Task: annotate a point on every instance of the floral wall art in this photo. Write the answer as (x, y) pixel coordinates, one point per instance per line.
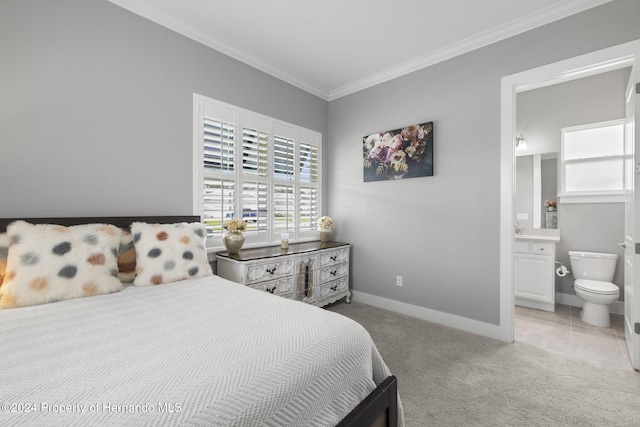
(398, 154)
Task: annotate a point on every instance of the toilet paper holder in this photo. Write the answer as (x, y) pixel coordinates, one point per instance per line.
(562, 270)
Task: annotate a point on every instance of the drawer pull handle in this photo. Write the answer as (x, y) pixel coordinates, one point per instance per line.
(334, 272)
(271, 270)
(270, 290)
(334, 287)
(333, 257)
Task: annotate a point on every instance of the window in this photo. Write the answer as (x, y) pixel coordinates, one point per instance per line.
(253, 167)
(592, 163)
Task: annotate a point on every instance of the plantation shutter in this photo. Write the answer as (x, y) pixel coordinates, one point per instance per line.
(308, 173)
(255, 176)
(283, 208)
(283, 155)
(218, 145)
(255, 152)
(252, 167)
(219, 199)
(217, 161)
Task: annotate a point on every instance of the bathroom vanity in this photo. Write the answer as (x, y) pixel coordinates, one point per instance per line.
(534, 262)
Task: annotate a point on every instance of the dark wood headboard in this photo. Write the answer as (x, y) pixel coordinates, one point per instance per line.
(118, 221)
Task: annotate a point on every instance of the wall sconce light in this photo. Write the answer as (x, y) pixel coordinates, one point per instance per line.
(521, 142)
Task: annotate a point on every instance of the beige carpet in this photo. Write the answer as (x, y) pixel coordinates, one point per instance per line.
(448, 377)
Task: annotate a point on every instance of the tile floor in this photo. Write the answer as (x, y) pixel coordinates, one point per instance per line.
(563, 331)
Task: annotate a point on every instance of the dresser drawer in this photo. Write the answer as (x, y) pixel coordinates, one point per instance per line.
(281, 287)
(256, 273)
(334, 272)
(331, 289)
(333, 257)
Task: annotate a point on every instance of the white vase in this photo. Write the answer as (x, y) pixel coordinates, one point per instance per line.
(324, 234)
(233, 241)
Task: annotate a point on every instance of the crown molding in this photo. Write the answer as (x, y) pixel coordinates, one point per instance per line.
(513, 28)
(561, 10)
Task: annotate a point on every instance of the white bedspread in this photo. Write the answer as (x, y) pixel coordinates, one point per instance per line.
(203, 352)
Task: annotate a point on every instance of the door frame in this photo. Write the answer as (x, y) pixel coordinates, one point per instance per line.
(609, 59)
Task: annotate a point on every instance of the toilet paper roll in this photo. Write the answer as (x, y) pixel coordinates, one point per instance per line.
(561, 271)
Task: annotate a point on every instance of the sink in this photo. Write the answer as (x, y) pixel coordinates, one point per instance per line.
(552, 235)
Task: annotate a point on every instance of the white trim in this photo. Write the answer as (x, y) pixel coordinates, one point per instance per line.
(439, 317)
(615, 57)
(612, 197)
(553, 13)
(526, 23)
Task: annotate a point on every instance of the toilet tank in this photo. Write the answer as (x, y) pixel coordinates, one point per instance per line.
(593, 265)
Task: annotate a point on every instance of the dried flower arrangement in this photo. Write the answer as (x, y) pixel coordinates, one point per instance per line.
(325, 223)
(235, 225)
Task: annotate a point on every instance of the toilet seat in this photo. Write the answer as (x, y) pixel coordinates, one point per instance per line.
(596, 287)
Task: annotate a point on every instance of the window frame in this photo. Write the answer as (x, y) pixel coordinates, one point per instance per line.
(590, 196)
(244, 120)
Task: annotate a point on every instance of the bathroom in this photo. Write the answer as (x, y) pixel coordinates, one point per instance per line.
(593, 226)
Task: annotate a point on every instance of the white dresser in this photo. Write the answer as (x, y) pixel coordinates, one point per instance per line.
(313, 272)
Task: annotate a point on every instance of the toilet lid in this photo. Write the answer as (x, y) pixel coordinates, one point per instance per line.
(596, 286)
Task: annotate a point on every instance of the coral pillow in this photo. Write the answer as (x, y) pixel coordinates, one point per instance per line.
(47, 263)
(169, 252)
(126, 258)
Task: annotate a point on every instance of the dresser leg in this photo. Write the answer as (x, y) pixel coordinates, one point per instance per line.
(348, 298)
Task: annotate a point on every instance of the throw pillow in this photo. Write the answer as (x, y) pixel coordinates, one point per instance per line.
(167, 253)
(47, 263)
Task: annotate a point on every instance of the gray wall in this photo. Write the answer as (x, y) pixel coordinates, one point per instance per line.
(541, 113)
(442, 232)
(96, 109)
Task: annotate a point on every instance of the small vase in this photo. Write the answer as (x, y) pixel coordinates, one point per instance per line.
(233, 242)
(325, 235)
(551, 208)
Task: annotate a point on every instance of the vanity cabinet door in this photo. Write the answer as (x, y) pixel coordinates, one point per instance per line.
(532, 277)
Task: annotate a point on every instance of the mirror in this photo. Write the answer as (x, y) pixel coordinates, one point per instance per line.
(536, 181)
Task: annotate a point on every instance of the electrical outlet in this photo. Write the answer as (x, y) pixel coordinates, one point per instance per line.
(398, 280)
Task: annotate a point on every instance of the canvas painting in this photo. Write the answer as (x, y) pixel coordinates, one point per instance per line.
(398, 154)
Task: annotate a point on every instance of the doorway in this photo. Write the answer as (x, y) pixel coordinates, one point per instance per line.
(613, 58)
(556, 324)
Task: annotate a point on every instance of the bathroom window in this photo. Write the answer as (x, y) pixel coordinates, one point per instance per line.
(592, 163)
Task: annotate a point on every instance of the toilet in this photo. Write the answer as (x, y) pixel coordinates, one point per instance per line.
(594, 272)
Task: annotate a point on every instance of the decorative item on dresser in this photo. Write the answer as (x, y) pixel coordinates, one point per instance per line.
(314, 272)
(234, 239)
(325, 227)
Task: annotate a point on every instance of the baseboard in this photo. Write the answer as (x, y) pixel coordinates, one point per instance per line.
(458, 322)
(575, 301)
(445, 319)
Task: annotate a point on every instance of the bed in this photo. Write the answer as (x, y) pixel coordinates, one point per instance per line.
(199, 351)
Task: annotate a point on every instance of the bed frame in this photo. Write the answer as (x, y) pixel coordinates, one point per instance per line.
(378, 409)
